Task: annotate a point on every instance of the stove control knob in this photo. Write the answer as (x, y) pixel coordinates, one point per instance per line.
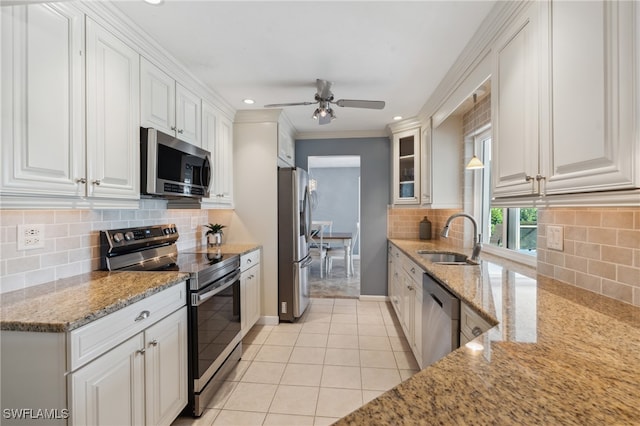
(128, 236)
(167, 231)
(118, 237)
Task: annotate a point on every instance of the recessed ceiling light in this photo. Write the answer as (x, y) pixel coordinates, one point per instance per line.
(249, 101)
(397, 117)
(154, 2)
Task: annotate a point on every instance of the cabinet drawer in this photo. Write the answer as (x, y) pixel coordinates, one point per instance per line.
(101, 335)
(471, 324)
(414, 271)
(250, 259)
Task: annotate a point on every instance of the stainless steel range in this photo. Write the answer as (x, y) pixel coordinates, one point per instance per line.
(215, 340)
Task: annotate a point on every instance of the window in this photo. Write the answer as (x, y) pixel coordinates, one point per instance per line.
(503, 228)
(514, 228)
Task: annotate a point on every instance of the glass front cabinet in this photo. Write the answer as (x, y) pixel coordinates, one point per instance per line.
(406, 166)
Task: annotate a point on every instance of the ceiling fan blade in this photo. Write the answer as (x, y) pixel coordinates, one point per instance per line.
(355, 103)
(289, 104)
(324, 89)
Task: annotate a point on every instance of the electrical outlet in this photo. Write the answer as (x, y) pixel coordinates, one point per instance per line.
(30, 237)
(555, 237)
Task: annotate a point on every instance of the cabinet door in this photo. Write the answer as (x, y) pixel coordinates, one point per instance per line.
(286, 148)
(416, 340)
(188, 110)
(223, 158)
(217, 138)
(250, 297)
(515, 101)
(592, 146)
(113, 118)
(110, 389)
(406, 167)
(166, 368)
(426, 169)
(42, 86)
(407, 305)
(157, 98)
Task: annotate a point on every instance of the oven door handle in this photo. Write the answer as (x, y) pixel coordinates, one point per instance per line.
(198, 299)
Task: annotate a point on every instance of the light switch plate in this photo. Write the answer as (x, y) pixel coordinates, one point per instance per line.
(555, 237)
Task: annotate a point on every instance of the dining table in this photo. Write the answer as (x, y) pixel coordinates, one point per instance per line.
(345, 238)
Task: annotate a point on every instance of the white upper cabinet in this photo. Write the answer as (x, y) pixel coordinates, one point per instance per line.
(43, 147)
(113, 126)
(217, 137)
(188, 107)
(564, 97)
(167, 105)
(592, 145)
(426, 156)
(515, 107)
(70, 117)
(157, 98)
(286, 147)
(406, 166)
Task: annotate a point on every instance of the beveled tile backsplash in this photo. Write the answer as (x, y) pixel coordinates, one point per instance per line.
(72, 239)
(601, 250)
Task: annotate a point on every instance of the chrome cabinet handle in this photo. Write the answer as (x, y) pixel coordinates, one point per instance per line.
(96, 182)
(154, 342)
(143, 315)
(476, 331)
(173, 127)
(141, 351)
(413, 270)
(180, 131)
(81, 180)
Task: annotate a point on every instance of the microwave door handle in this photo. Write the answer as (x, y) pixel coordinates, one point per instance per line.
(199, 299)
(208, 185)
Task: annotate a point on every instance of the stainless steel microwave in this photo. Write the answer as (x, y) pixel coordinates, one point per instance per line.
(172, 168)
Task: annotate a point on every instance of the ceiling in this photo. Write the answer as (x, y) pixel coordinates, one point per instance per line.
(273, 51)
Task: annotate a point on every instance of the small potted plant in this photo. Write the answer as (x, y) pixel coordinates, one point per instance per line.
(214, 234)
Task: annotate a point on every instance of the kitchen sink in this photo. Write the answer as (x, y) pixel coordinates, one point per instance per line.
(446, 258)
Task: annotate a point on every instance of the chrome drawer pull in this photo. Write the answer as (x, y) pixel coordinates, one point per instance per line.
(154, 342)
(143, 315)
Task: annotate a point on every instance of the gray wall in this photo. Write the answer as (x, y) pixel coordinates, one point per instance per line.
(337, 197)
(375, 163)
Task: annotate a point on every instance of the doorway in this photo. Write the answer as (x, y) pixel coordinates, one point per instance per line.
(334, 181)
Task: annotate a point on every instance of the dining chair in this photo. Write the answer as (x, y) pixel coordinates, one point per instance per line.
(318, 248)
(339, 253)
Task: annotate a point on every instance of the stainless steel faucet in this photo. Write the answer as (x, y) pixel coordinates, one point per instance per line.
(477, 242)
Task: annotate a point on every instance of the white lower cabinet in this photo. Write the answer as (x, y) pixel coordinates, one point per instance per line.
(141, 381)
(405, 294)
(126, 368)
(471, 324)
(249, 290)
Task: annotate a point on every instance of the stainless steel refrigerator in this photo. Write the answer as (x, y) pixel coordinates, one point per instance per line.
(294, 225)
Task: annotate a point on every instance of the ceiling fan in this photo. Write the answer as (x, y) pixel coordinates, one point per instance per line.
(324, 98)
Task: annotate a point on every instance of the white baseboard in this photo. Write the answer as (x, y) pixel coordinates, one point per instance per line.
(268, 320)
(365, 298)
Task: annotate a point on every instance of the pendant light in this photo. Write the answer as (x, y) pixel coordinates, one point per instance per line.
(475, 162)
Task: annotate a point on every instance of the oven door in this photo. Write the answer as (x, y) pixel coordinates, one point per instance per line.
(215, 327)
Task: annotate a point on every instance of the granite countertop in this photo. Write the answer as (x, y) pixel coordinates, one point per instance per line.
(558, 355)
(69, 303)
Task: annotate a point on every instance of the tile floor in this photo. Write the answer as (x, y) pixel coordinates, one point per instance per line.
(339, 355)
(335, 284)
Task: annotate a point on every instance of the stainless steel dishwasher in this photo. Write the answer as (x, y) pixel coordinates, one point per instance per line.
(441, 321)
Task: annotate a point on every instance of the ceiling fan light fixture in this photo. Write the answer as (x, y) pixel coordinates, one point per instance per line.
(315, 114)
